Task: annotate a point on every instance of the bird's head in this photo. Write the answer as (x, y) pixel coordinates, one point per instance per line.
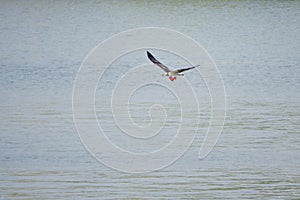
(165, 74)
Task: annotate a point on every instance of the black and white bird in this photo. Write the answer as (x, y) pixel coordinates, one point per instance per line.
(171, 74)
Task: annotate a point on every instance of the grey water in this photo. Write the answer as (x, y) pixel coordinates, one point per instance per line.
(256, 46)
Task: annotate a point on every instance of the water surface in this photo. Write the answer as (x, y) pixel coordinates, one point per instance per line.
(256, 47)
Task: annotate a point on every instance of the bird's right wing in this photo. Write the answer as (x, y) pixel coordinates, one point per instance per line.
(162, 66)
(185, 69)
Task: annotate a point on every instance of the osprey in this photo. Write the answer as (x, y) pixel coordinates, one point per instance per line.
(171, 74)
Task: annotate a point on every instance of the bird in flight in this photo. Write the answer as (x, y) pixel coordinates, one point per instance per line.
(171, 74)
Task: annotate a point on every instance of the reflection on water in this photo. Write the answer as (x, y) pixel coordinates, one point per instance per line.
(256, 47)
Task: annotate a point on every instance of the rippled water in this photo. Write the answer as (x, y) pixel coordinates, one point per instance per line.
(256, 47)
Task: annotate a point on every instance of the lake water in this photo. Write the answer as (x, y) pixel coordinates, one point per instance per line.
(256, 46)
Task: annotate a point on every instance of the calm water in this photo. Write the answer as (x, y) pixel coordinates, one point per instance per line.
(256, 47)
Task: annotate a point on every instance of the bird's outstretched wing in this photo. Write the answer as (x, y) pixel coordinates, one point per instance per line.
(162, 66)
(185, 69)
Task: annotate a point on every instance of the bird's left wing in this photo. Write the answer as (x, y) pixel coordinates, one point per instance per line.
(155, 61)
